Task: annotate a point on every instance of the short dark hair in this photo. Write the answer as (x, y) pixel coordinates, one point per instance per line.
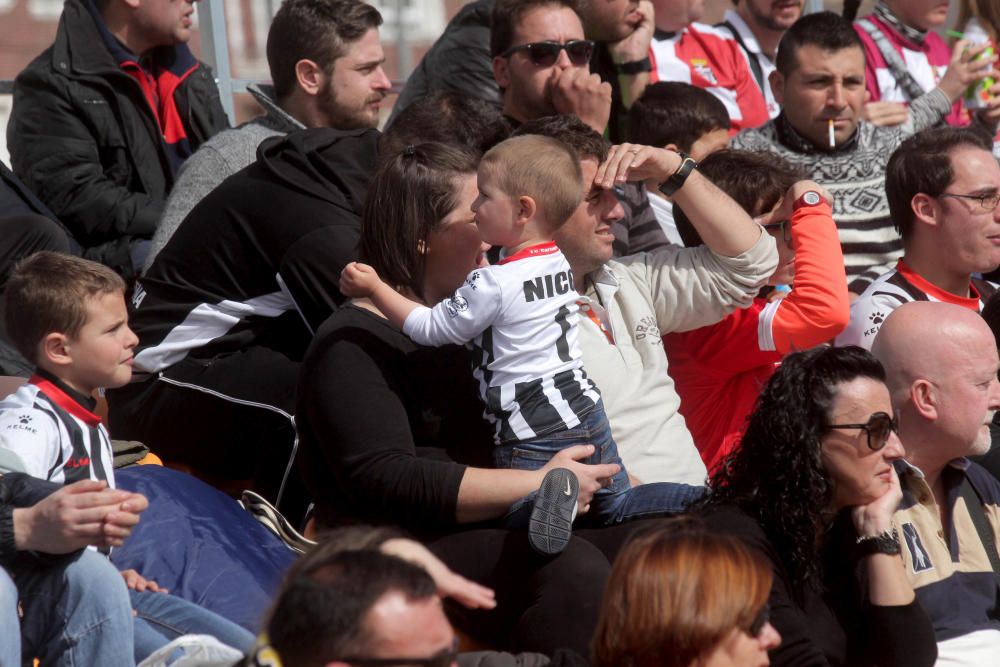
(508, 13)
(448, 117)
(825, 30)
(318, 616)
(922, 164)
(410, 193)
(582, 139)
(47, 293)
(543, 168)
(317, 30)
(755, 181)
(671, 112)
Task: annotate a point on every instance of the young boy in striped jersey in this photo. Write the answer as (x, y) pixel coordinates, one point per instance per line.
(67, 316)
(519, 319)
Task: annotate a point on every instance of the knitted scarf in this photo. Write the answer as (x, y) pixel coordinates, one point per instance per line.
(885, 14)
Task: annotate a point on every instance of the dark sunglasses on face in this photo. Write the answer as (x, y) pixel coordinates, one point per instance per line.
(878, 428)
(784, 227)
(545, 54)
(759, 621)
(444, 658)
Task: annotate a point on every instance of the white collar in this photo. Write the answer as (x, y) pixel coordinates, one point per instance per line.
(744, 30)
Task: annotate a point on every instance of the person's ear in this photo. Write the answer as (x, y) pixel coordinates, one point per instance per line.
(55, 349)
(526, 209)
(309, 76)
(501, 72)
(924, 398)
(924, 209)
(777, 82)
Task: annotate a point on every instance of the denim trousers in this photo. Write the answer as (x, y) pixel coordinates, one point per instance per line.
(162, 617)
(616, 503)
(76, 613)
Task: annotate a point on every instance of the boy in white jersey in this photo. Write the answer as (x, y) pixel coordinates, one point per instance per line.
(519, 319)
(67, 316)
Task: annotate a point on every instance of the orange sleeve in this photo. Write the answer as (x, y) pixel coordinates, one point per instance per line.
(817, 308)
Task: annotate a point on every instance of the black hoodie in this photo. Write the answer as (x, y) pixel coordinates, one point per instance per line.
(257, 261)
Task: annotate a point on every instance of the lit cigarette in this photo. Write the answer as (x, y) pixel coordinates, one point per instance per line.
(833, 140)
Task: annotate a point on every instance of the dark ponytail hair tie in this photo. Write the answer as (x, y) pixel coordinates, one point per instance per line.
(409, 151)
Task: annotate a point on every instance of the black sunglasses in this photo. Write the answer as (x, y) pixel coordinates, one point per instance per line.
(444, 658)
(759, 621)
(878, 428)
(785, 226)
(545, 54)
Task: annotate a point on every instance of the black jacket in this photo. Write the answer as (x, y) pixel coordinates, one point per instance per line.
(83, 138)
(259, 258)
(18, 490)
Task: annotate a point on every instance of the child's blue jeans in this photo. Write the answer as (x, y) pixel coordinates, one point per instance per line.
(618, 502)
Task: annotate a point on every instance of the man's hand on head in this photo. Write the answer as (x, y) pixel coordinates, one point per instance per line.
(73, 517)
(635, 162)
(577, 92)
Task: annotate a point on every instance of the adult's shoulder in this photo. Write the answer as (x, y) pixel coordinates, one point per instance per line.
(732, 520)
(762, 138)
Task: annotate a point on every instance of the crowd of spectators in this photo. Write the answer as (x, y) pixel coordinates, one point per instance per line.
(629, 340)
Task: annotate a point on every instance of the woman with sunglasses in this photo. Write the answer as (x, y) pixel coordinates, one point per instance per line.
(811, 487)
(680, 596)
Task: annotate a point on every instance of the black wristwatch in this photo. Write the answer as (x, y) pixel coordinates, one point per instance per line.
(676, 180)
(886, 542)
(635, 66)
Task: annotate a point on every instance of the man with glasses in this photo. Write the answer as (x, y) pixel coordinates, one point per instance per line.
(719, 369)
(943, 186)
(820, 82)
(541, 62)
(945, 395)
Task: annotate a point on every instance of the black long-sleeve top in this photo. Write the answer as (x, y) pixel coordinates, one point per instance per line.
(833, 624)
(382, 422)
(18, 490)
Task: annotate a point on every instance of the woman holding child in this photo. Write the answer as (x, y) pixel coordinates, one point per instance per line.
(812, 488)
(383, 420)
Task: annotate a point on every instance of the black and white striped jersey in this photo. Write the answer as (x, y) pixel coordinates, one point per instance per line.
(894, 288)
(519, 319)
(57, 437)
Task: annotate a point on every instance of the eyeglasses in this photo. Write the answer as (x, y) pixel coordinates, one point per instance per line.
(988, 203)
(545, 54)
(878, 428)
(781, 226)
(759, 621)
(444, 658)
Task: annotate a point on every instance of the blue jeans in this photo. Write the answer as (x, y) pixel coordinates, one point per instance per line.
(618, 502)
(10, 627)
(76, 612)
(161, 617)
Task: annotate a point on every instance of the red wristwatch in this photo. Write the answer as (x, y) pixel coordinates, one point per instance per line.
(808, 198)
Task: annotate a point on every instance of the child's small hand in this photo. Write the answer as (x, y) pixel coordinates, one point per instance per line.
(137, 582)
(358, 280)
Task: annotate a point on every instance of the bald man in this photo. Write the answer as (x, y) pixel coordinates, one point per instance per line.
(945, 395)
